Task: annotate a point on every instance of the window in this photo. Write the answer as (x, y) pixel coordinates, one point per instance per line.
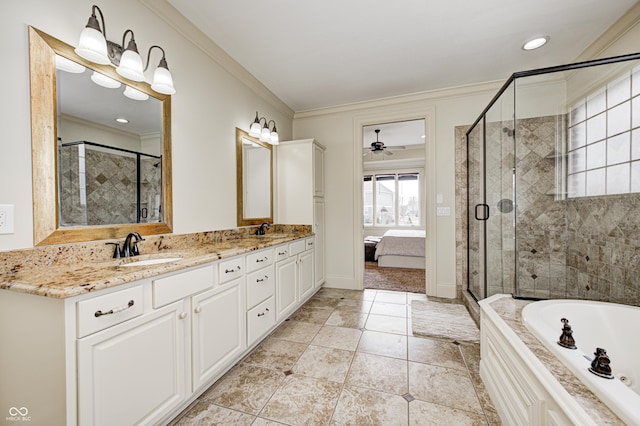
(392, 199)
(604, 140)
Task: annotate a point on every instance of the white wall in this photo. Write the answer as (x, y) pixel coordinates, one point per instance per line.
(208, 105)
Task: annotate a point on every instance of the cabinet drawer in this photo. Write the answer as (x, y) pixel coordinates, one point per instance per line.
(230, 269)
(282, 252)
(309, 242)
(260, 286)
(296, 247)
(179, 286)
(110, 309)
(259, 260)
(260, 319)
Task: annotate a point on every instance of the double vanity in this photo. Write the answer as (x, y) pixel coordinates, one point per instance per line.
(134, 341)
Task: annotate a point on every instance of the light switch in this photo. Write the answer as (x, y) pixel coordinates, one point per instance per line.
(6, 218)
(439, 199)
(443, 211)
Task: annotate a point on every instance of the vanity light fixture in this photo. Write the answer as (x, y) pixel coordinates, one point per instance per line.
(104, 81)
(93, 47)
(135, 94)
(535, 43)
(64, 64)
(264, 132)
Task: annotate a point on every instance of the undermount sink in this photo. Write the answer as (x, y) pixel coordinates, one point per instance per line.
(153, 261)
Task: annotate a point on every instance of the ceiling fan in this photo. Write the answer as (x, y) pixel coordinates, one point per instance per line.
(378, 147)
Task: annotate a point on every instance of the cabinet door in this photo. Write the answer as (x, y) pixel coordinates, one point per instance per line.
(318, 171)
(218, 330)
(286, 287)
(305, 273)
(134, 372)
(318, 228)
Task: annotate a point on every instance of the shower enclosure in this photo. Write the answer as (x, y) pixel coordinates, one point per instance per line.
(553, 167)
(103, 185)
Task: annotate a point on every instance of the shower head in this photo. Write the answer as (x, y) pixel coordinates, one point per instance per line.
(157, 164)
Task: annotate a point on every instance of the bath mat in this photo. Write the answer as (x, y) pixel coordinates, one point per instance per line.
(443, 320)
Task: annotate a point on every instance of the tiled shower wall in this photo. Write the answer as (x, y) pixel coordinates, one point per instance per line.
(110, 195)
(587, 248)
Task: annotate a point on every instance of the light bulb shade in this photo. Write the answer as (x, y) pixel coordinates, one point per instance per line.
(162, 81)
(135, 94)
(67, 65)
(104, 81)
(131, 66)
(275, 139)
(265, 134)
(93, 46)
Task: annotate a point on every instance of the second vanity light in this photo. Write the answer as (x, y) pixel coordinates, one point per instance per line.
(257, 130)
(93, 47)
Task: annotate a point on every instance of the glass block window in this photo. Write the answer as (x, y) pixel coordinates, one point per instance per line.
(604, 140)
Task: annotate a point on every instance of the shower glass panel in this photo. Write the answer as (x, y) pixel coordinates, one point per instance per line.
(553, 166)
(475, 203)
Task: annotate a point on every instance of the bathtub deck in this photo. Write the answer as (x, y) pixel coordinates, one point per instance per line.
(510, 311)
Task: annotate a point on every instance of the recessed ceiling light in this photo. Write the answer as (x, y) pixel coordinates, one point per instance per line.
(122, 120)
(535, 43)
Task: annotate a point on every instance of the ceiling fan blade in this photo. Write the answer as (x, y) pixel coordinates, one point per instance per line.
(387, 152)
(397, 147)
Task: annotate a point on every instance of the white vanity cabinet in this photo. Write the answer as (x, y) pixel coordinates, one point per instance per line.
(301, 191)
(294, 275)
(217, 331)
(261, 288)
(134, 372)
(141, 352)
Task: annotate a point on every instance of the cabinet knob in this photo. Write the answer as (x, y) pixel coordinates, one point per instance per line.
(182, 315)
(198, 309)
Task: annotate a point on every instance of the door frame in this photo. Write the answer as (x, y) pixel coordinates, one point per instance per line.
(428, 115)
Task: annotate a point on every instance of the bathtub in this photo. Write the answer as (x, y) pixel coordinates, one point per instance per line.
(613, 327)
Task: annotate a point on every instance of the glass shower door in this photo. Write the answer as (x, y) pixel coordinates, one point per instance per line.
(475, 203)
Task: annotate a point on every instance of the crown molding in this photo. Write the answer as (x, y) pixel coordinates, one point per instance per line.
(598, 48)
(182, 25)
(431, 95)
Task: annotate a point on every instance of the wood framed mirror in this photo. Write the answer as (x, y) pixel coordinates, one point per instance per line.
(45, 137)
(254, 186)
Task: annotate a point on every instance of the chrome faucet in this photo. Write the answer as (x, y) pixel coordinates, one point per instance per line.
(261, 230)
(130, 248)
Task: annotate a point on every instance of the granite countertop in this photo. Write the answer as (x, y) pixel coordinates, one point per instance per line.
(61, 279)
(510, 311)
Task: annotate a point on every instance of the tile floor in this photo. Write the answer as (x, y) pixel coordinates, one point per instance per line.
(349, 358)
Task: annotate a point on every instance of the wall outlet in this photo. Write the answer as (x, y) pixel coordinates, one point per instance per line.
(443, 211)
(6, 218)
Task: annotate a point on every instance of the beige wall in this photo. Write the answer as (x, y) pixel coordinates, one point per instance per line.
(209, 103)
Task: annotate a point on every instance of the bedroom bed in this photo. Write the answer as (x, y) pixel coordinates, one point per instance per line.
(401, 248)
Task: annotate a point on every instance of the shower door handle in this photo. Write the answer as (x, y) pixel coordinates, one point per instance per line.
(485, 211)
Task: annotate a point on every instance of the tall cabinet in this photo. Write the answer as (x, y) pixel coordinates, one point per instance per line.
(300, 193)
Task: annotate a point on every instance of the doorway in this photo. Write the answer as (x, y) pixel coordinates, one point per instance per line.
(393, 218)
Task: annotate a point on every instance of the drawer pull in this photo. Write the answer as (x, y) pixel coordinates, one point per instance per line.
(264, 259)
(264, 313)
(282, 253)
(115, 310)
(309, 243)
(229, 271)
(260, 280)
